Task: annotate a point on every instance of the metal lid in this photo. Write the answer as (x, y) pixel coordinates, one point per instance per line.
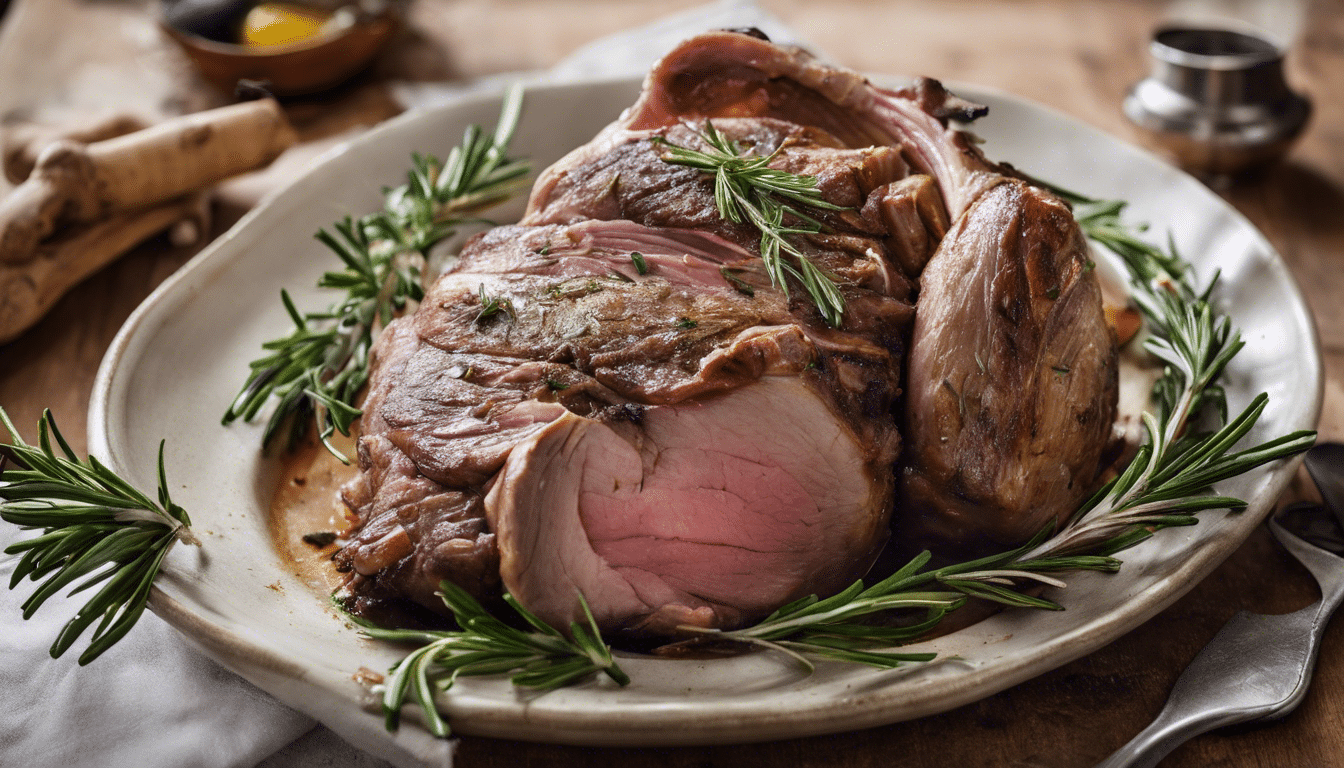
(1216, 99)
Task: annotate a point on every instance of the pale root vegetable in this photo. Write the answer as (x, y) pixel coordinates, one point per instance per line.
(74, 183)
(28, 290)
(23, 142)
(83, 205)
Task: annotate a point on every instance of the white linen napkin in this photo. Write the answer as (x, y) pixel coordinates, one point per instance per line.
(153, 700)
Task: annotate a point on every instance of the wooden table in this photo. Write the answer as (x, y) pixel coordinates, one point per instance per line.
(1078, 57)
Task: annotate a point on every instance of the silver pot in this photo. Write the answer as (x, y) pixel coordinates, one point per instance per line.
(1216, 100)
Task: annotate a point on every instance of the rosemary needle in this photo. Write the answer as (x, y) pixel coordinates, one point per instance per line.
(95, 527)
(838, 627)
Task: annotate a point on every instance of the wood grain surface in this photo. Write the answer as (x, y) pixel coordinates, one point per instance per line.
(1077, 57)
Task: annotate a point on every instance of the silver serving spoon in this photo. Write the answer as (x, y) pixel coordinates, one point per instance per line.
(1258, 667)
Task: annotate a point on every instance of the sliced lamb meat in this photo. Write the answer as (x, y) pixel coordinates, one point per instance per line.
(896, 217)
(413, 531)
(734, 406)
(633, 182)
(694, 324)
(1012, 379)
(711, 513)
(417, 534)
(915, 219)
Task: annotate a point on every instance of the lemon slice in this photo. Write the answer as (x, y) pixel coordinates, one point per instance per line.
(271, 24)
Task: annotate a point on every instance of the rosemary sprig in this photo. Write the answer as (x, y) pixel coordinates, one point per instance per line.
(319, 369)
(747, 190)
(1166, 484)
(832, 628)
(95, 527)
(542, 659)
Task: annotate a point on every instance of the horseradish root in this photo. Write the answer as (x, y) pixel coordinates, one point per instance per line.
(28, 290)
(23, 143)
(83, 205)
(75, 183)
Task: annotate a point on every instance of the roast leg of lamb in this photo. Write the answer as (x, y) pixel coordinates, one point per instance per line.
(612, 399)
(676, 446)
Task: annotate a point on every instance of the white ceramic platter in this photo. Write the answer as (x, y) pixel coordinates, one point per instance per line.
(177, 363)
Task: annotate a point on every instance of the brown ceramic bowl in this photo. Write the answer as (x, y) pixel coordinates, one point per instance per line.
(294, 69)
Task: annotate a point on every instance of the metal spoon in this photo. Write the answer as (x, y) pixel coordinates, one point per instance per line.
(1258, 667)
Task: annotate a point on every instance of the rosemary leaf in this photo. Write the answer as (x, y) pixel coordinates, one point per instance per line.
(492, 305)
(95, 527)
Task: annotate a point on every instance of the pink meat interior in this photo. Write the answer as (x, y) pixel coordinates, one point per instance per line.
(708, 513)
